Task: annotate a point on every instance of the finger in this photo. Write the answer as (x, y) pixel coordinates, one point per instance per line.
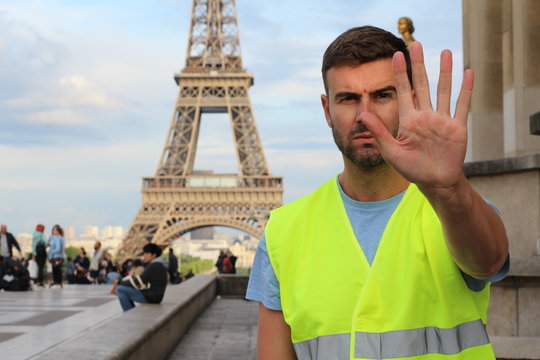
(403, 86)
(386, 142)
(420, 79)
(444, 88)
(465, 95)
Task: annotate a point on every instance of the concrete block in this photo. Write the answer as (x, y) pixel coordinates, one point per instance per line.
(529, 311)
(503, 312)
(516, 348)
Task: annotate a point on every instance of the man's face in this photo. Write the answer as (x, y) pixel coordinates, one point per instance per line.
(97, 245)
(353, 90)
(3, 229)
(147, 257)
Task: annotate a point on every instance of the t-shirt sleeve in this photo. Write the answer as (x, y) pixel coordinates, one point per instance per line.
(263, 284)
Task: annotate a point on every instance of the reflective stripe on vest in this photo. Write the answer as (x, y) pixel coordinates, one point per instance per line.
(396, 344)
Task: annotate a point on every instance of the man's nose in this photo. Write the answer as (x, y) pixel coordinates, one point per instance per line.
(365, 105)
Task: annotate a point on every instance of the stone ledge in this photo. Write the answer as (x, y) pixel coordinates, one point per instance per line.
(516, 348)
(146, 332)
(232, 286)
(502, 166)
(525, 266)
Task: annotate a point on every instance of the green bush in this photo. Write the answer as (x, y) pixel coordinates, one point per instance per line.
(243, 271)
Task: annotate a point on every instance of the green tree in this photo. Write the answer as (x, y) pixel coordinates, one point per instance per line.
(195, 264)
(71, 251)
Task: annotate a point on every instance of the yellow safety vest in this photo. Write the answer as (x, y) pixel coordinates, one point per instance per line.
(412, 303)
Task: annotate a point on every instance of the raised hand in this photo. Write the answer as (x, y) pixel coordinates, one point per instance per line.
(430, 146)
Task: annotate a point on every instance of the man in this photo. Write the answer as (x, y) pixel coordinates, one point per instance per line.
(96, 262)
(149, 286)
(393, 257)
(173, 267)
(7, 241)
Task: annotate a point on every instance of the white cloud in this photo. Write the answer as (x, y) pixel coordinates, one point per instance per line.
(77, 81)
(73, 91)
(57, 117)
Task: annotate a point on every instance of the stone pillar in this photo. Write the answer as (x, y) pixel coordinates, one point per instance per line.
(521, 74)
(482, 41)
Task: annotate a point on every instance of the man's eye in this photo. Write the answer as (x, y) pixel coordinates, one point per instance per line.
(383, 96)
(346, 99)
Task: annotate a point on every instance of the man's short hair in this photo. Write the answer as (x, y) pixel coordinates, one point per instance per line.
(152, 249)
(361, 45)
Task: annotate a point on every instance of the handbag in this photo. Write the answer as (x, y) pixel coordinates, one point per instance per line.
(32, 269)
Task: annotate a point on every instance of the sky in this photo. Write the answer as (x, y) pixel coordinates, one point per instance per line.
(87, 95)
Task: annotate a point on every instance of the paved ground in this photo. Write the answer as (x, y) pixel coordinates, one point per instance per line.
(226, 330)
(34, 321)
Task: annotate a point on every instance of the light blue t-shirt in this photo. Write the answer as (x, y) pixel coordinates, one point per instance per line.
(368, 220)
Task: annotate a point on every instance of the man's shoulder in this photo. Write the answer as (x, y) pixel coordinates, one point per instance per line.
(156, 266)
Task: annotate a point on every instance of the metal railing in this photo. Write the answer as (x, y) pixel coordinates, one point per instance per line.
(212, 181)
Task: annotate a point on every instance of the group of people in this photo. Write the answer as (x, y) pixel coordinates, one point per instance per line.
(135, 280)
(16, 272)
(226, 262)
(97, 270)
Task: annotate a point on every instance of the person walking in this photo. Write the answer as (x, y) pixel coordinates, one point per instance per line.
(7, 242)
(56, 254)
(219, 261)
(95, 263)
(173, 266)
(39, 251)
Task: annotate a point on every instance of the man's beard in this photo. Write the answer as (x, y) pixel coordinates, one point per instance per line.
(368, 158)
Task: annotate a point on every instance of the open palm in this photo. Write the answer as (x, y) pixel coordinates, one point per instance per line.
(430, 146)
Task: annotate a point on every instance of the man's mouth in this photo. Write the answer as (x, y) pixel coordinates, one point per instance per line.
(364, 135)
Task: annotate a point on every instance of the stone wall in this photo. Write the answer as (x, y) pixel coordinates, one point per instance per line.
(513, 185)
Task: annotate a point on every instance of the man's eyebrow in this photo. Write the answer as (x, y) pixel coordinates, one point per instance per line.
(346, 94)
(383, 90)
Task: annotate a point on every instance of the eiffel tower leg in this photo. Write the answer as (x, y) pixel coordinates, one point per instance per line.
(140, 233)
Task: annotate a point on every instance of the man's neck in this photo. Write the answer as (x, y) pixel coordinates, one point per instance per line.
(371, 184)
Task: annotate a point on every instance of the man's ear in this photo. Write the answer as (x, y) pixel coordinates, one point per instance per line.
(326, 107)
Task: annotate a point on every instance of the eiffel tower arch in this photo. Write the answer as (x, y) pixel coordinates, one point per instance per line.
(178, 199)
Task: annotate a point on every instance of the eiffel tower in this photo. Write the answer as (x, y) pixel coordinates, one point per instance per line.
(178, 199)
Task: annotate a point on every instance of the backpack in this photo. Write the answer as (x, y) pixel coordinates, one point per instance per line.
(40, 249)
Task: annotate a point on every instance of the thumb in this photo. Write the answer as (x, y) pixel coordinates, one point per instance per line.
(384, 139)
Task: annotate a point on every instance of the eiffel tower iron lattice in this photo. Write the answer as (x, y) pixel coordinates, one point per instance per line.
(178, 199)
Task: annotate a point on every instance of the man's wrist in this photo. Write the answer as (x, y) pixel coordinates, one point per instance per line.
(456, 198)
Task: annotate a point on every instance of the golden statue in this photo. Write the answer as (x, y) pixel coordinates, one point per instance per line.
(406, 29)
